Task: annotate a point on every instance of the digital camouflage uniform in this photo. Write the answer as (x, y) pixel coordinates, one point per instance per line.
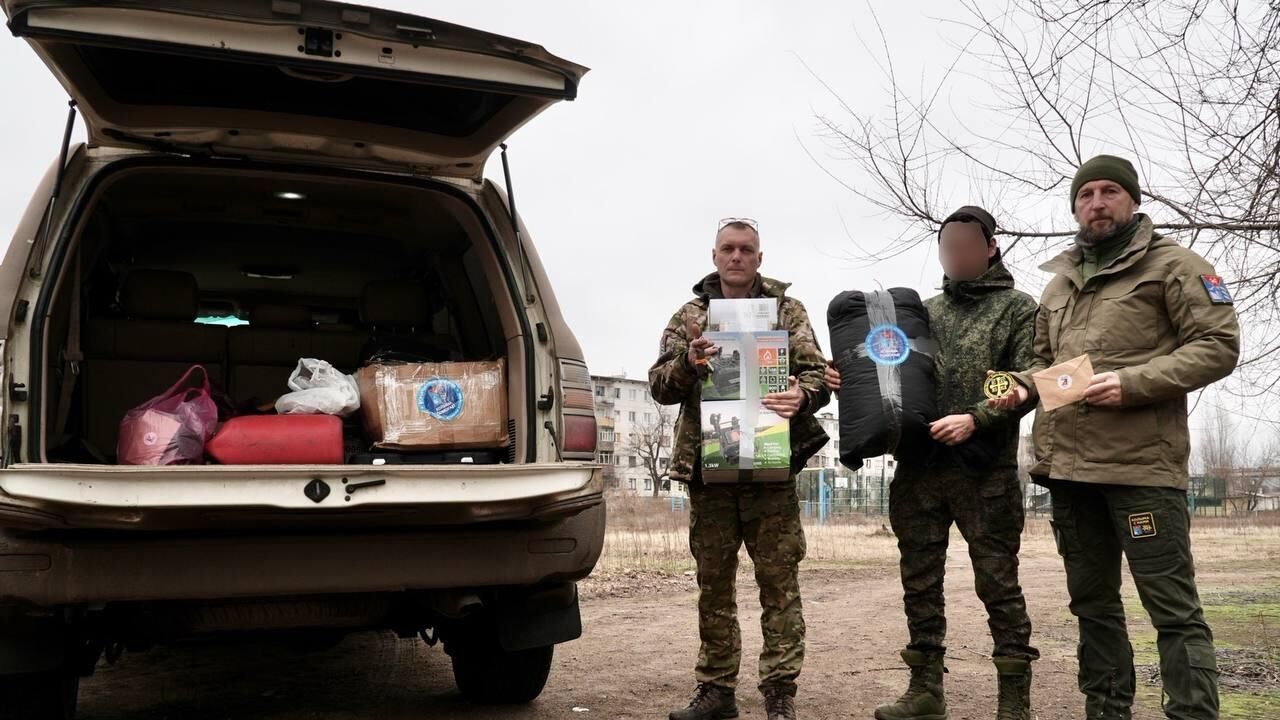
(979, 325)
(1157, 315)
(764, 516)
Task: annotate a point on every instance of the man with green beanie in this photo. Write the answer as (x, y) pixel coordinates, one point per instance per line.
(1100, 248)
(1157, 323)
(969, 479)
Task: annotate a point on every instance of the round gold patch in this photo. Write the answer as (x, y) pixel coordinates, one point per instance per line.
(997, 385)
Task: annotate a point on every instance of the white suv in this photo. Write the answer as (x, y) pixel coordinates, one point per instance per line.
(312, 169)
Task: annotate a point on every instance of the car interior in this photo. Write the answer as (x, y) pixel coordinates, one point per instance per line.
(244, 274)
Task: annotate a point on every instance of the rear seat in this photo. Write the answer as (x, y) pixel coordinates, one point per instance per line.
(264, 353)
(400, 317)
(132, 359)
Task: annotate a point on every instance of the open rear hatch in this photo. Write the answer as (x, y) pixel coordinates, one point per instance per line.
(305, 80)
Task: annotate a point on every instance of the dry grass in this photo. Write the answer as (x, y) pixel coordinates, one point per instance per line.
(645, 534)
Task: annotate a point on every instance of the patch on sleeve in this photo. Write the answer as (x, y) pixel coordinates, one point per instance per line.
(1217, 289)
(1142, 525)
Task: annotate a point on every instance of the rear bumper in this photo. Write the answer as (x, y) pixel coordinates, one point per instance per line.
(58, 568)
(204, 497)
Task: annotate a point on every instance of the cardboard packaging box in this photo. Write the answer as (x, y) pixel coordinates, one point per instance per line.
(434, 406)
(742, 441)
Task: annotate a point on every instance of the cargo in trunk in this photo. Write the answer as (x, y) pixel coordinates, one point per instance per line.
(429, 406)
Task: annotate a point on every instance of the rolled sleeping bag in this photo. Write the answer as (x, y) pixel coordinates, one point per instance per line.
(885, 356)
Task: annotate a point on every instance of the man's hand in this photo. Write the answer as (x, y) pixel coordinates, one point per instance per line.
(953, 429)
(701, 349)
(831, 377)
(1012, 400)
(786, 404)
(1104, 390)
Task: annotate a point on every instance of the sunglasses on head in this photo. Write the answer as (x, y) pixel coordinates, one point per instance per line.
(749, 222)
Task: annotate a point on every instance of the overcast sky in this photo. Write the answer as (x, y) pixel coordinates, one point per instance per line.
(691, 112)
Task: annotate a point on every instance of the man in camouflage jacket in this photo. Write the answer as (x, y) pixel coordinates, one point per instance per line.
(764, 516)
(970, 479)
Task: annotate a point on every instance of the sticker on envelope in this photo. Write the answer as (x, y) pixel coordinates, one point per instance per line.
(1065, 383)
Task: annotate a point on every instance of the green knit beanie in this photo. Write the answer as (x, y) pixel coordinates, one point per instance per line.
(1107, 167)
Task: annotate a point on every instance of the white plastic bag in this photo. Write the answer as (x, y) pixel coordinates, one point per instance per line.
(319, 389)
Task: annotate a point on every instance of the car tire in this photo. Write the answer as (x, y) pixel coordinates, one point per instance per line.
(40, 696)
(488, 675)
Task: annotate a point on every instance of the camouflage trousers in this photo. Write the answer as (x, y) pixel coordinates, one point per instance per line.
(766, 517)
(923, 504)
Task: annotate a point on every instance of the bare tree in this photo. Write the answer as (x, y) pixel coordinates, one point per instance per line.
(1219, 452)
(651, 442)
(1269, 465)
(1189, 89)
(1244, 474)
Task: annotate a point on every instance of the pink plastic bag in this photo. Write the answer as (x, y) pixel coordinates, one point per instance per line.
(172, 428)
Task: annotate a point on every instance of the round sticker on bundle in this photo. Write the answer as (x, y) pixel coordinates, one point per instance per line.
(888, 345)
(150, 439)
(441, 398)
(1065, 382)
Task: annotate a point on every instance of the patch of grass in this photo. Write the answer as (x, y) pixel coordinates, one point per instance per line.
(1245, 621)
(1244, 614)
(645, 534)
(1246, 618)
(1148, 696)
(1145, 651)
(1250, 706)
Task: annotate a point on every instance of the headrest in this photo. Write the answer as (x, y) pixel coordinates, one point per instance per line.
(395, 303)
(160, 295)
(282, 317)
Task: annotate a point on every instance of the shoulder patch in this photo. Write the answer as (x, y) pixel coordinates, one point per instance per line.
(1216, 287)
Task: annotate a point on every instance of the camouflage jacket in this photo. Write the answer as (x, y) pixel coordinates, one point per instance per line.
(673, 381)
(980, 325)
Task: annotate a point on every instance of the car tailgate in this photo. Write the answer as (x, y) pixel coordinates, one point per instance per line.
(186, 496)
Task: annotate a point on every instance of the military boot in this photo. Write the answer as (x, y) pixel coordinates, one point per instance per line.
(779, 705)
(923, 699)
(1014, 699)
(709, 702)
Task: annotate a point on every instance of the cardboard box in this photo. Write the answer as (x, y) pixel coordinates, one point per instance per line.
(742, 441)
(434, 406)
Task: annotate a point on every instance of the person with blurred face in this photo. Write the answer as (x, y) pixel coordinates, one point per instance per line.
(1157, 323)
(970, 479)
(765, 516)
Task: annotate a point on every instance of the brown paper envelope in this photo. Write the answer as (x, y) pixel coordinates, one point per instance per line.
(1064, 384)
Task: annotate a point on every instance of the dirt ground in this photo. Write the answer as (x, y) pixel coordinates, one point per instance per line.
(635, 657)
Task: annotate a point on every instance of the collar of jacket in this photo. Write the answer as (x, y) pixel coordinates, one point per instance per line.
(1145, 237)
(996, 279)
(708, 288)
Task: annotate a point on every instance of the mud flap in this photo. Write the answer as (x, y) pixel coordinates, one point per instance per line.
(539, 617)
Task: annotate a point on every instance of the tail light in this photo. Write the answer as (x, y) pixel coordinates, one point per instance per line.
(577, 412)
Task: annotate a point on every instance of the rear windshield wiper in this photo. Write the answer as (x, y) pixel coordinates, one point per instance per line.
(205, 150)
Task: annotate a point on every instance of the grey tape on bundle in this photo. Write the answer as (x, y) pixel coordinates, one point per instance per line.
(750, 385)
(925, 346)
(880, 311)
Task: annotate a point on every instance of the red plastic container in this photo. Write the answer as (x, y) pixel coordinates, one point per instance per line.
(278, 440)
